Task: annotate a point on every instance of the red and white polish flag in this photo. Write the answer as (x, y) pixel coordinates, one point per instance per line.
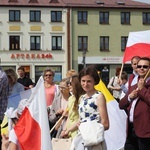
(32, 129)
(138, 44)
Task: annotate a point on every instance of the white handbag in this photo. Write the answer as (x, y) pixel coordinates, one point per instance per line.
(92, 132)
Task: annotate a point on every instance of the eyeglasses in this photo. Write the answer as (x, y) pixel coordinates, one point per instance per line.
(69, 83)
(144, 66)
(46, 75)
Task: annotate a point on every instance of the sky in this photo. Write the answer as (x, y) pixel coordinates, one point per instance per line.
(145, 1)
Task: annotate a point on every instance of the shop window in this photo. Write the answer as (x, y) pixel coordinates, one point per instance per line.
(125, 17)
(123, 42)
(8, 67)
(82, 43)
(104, 17)
(58, 72)
(35, 16)
(146, 17)
(82, 16)
(14, 15)
(14, 42)
(56, 16)
(35, 42)
(56, 43)
(104, 43)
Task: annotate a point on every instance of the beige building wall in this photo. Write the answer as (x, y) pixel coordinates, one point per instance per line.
(46, 29)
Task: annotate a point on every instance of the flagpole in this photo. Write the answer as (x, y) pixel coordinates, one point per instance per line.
(59, 120)
(121, 71)
(146, 74)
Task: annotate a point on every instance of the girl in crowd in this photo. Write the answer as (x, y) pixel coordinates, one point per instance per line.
(14, 86)
(92, 105)
(70, 130)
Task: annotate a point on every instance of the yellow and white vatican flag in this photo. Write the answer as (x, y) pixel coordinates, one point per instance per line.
(116, 135)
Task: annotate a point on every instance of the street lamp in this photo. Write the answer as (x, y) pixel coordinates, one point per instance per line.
(84, 56)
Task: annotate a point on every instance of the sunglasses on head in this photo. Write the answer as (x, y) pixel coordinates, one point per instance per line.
(144, 66)
(46, 75)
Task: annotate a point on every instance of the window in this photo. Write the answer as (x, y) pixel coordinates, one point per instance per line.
(104, 17)
(123, 42)
(14, 15)
(14, 43)
(35, 42)
(56, 42)
(146, 18)
(56, 16)
(104, 43)
(57, 69)
(82, 43)
(82, 16)
(35, 16)
(125, 17)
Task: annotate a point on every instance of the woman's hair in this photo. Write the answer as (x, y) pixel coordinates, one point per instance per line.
(71, 72)
(47, 69)
(77, 89)
(118, 69)
(91, 71)
(11, 74)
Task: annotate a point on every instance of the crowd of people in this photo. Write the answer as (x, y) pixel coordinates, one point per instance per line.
(75, 101)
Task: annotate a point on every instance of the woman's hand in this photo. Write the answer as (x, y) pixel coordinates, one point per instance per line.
(5, 142)
(64, 134)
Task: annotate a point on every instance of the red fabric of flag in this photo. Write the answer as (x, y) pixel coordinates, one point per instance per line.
(138, 44)
(28, 132)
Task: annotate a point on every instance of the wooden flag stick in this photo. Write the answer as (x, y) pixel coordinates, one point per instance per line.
(146, 74)
(60, 119)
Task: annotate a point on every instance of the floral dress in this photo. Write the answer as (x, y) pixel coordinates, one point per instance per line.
(88, 108)
(88, 111)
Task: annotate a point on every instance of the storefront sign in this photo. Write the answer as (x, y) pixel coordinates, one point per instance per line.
(32, 56)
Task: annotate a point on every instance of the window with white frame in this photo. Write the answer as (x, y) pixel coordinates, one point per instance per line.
(14, 15)
(35, 43)
(56, 42)
(35, 16)
(56, 16)
(14, 42)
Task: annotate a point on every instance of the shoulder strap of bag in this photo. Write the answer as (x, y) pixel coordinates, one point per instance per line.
(113, 81)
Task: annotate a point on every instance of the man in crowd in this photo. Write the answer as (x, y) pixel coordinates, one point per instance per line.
(137, 104)
(23, 79)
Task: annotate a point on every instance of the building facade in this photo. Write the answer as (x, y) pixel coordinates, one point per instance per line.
(34, 35)
(100, 31)
(68, 34)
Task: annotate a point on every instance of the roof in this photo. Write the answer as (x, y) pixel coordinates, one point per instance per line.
(76, 3)
(106, 3)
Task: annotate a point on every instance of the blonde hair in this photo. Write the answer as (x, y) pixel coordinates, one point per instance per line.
(71, 73)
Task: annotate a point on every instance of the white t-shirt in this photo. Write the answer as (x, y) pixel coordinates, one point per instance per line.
(13, 138)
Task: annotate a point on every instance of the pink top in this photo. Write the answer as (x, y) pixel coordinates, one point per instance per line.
(50, 93)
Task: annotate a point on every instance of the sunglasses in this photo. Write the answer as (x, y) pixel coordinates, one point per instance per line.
(144, 66)
(46, 75)
(69, 83)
